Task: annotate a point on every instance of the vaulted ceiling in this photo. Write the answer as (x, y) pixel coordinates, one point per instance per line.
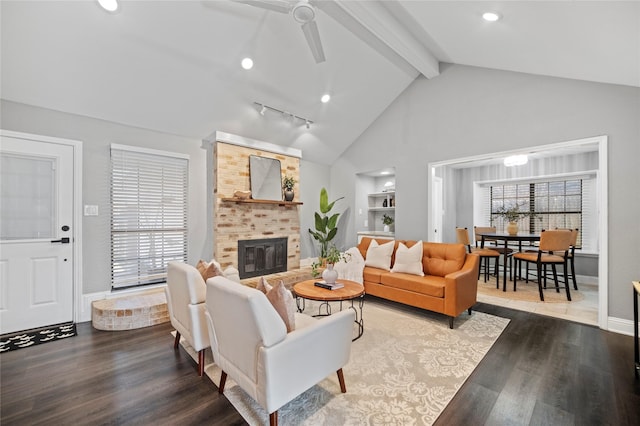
(174, 66)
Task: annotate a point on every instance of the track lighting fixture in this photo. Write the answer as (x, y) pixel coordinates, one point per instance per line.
(285, 114)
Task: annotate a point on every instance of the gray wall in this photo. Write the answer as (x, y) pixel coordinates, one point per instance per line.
(97, 135)
(468, 111)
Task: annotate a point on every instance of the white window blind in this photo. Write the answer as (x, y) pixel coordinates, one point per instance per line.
(560, 202)
(148, 214)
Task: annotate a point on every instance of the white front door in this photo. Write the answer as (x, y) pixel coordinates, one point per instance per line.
(36, 235)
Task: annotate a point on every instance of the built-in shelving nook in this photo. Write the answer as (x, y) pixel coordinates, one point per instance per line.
(375, 198)
(237, 219)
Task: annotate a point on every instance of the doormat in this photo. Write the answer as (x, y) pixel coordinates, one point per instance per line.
(24, 339)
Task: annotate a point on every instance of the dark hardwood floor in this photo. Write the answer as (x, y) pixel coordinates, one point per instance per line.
(541, 371)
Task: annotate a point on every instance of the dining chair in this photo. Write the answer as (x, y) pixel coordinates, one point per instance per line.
(477, 233)
(572, 252)
(485, 254)
(552, 243)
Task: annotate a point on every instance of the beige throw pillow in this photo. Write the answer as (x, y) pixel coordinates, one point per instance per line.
(379, 255)
(283, 303)
(208, 270)
(409, 260)
(264, 286)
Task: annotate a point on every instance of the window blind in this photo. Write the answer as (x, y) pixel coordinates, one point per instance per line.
(148, 214)
(569, 202)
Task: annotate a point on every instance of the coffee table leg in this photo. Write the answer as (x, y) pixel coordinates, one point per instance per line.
(359, 319)
(300, 303)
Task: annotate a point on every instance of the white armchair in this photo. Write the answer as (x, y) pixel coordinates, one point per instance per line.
(250, 344)
(186, 291)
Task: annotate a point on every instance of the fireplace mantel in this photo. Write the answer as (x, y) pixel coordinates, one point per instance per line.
(252, 201)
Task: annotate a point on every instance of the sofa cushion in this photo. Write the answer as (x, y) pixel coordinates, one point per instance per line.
(440, 259)
(372, 274)
(428, 285)
(379, 255)
(409, 259)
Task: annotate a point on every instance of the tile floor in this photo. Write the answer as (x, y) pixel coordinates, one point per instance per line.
(584, 311)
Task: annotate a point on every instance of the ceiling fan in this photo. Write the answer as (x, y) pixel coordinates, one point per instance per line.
(303, 12)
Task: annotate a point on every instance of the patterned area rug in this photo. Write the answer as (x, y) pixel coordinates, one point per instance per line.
(24, 339)
(404, 370)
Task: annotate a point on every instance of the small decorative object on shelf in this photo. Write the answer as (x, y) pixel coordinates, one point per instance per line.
(287, 184)
(387, 221)
(242, 195)
(384, 203)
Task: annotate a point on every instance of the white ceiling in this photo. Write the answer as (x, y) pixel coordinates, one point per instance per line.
(175, 66)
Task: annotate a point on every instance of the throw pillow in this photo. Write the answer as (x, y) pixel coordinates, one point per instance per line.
(208, 270)
(409, 260)
(283, 303)
(263, 286)
(379, 255)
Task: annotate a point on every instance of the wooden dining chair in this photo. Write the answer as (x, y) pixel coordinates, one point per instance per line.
(553, 250)
(462, 236)
(572, 252)
(477, 233)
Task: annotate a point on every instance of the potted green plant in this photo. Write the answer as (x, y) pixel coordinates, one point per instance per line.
(287, 184)
(332, 257)
(326, 226)
(512, 214)
(387, 221)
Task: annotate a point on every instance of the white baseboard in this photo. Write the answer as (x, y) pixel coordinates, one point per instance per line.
(619, 325)
(587, 279)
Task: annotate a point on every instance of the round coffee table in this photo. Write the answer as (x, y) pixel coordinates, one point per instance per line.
(352, 291)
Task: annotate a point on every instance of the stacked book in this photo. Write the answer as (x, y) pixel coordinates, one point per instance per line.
(328, 286)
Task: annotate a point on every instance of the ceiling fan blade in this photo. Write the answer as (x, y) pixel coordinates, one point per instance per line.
(310, 30)
(281, 6)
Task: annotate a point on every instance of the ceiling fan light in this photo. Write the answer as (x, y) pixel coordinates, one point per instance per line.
(303, 12)
(325, 98)
(109, 5)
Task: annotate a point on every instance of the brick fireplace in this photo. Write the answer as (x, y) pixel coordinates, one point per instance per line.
(235, 221)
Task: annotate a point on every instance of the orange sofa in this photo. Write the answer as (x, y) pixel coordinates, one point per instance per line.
(449, 285)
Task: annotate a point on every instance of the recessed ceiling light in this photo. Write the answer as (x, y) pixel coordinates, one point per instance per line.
(325, 98)
(109, 5)
(385, 173)
(247, 63)
(491, 16)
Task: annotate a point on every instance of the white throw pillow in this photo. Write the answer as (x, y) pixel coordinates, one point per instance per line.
(351, 267)
(409, 260)
(379, 255)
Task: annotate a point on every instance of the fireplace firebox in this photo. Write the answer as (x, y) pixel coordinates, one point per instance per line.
(262, 257)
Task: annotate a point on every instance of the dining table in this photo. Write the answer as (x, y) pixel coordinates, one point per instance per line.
(507, 239)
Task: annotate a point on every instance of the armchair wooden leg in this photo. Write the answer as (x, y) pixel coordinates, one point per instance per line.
(273, 419)
(343, 387)
(223, 380)
(176, 342)
(201, 362)
(451, 323)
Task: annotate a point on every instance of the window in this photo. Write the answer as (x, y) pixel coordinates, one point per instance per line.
(562, 202)
(148, 214)
(554, 204)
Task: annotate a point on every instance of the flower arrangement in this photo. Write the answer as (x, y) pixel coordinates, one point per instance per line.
(332, 257)
(387, 220)
(288, 182)
(513, 213)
